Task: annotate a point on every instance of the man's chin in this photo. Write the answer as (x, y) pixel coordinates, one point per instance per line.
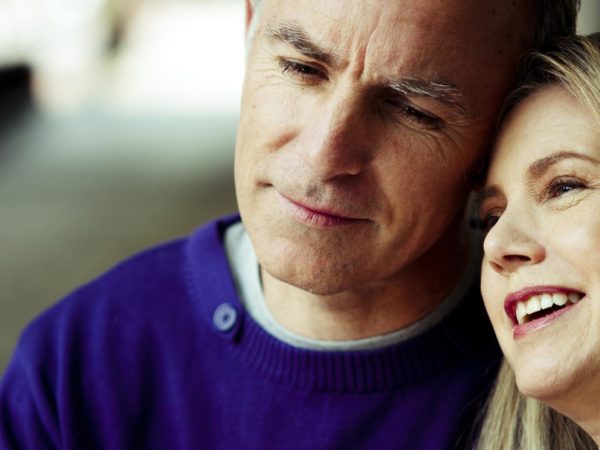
(321, 267)
(322, 282)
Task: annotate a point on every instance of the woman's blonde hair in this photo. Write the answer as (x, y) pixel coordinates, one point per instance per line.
(516, 422)
(513, 421)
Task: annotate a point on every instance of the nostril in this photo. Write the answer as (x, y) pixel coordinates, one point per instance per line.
(516, 258)
(497, 267)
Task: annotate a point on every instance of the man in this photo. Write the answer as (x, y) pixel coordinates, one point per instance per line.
(362, 124)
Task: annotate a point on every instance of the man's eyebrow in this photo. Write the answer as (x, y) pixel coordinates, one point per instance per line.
(295, 36)
(441, 90)
(540, 166)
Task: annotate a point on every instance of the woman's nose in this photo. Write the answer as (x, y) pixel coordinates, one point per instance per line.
(512, 244)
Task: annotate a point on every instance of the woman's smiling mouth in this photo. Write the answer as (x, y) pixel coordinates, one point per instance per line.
(533, 304)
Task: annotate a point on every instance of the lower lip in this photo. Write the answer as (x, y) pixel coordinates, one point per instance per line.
(315, 218)
(522, 330)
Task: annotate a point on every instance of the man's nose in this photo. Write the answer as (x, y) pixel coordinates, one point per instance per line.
(512, 244)
(335, 141)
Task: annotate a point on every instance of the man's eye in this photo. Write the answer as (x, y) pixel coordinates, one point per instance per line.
(416, 117)
(302, 71)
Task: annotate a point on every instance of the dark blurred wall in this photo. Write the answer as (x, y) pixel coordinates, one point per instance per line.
(15, 95)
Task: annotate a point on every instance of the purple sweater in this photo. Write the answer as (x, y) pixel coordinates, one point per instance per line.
(158, 354)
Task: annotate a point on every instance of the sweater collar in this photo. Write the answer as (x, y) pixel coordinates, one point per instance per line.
(462, 334)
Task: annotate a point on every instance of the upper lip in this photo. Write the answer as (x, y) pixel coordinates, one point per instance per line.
(325, 210)
(510, 303)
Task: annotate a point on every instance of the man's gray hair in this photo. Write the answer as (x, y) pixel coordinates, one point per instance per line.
(256, 7)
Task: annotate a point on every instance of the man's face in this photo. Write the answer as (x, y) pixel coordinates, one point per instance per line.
(361, 121)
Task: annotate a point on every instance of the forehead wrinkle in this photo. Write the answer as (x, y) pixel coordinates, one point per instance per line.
(435, 89)
(292, 34)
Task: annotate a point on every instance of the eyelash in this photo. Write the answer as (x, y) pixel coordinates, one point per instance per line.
(302, 71)
(428, 121)
(487, 222)
(553, 190)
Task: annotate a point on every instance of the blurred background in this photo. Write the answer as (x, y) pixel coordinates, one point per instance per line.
(117, 128)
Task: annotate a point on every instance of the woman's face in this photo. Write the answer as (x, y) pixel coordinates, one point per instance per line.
(541, 271)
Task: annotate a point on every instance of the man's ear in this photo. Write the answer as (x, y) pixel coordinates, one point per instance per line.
(249, 15)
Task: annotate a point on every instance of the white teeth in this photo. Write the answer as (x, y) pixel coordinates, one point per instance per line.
(546, 301)
(537, 303)
(559, 299)
(533, 305)
(521, 312)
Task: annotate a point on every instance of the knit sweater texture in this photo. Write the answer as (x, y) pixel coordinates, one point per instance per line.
(158, 353)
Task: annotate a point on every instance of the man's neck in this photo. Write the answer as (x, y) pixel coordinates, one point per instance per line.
(366, 311)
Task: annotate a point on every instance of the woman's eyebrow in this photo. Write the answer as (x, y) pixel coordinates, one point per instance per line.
(540, 166)
(485, 193)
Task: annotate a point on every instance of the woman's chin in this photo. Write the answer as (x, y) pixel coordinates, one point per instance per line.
(545, 387)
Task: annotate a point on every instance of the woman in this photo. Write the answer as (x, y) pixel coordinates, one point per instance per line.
(540, 210)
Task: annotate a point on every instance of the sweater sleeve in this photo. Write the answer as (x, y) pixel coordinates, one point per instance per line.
(82, 371)
(27, 415)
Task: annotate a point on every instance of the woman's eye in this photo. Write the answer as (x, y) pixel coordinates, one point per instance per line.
(486, 222)
(561, 186)
(302, 71)
(489, 222)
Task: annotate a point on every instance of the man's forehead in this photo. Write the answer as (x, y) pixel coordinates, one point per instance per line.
(476, 13)
(390, 27)
(468, 46)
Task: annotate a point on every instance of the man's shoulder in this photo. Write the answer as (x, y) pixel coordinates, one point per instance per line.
(113, 346)
(153, 286)
(160, 268)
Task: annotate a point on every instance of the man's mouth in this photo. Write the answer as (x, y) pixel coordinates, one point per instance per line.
(319, 217)
(528, 305)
